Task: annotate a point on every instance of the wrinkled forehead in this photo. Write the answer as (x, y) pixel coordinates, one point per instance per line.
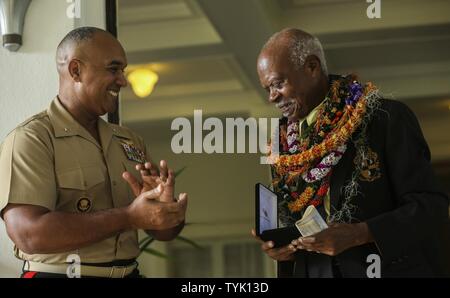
(273, 62)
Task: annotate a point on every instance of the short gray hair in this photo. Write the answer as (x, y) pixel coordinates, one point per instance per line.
(301, 45)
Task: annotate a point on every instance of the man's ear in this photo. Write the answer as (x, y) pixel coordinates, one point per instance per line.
(75, 70)
(312, 66)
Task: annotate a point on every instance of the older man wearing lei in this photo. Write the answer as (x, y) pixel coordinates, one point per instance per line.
(361, 160)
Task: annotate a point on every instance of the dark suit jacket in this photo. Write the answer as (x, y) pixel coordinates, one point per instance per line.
(405, 209)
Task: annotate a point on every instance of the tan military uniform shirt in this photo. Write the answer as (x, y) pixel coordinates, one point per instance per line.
(50, 160)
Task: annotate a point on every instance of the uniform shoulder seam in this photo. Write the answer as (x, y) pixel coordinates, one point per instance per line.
(38, 116)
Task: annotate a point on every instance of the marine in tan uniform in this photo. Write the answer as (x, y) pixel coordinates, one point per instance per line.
(71, 183)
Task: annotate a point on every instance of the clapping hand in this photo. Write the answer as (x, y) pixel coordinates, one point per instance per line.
(151, 178)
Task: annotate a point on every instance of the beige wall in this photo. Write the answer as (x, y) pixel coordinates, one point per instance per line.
(29, 80)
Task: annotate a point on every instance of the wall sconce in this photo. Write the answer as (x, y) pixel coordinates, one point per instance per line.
(142, 81)
(12, 16)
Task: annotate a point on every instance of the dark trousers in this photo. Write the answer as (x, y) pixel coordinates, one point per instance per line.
(310, 265)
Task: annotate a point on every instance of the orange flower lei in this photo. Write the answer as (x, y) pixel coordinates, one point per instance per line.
(344, 125)
(302, 200)
(298, 163)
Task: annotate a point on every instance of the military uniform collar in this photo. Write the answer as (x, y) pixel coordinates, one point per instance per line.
(65, 125)
(107, 131)
(115, 130)
(62, 121)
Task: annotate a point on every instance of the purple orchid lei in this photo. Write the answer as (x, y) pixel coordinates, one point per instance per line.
(356, 90)
(323, 168)
(329, 161)
(325, 165)
(292, 136)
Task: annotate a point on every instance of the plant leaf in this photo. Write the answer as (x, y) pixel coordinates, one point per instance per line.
(156, 253)
(178, 172)
(188, 241)
(147, 243)
(144, 239)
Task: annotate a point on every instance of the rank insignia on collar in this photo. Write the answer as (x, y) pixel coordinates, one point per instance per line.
(132, 152)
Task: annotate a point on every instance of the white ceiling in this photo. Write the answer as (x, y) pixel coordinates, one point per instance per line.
(205, 53)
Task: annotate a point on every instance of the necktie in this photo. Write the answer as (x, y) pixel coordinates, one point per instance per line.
(304, 127)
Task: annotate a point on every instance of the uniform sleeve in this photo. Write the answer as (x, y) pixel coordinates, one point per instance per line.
(27, 173)
(421, 205)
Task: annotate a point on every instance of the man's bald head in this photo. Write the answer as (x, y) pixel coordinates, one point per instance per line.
(299, 45)
(72, 44)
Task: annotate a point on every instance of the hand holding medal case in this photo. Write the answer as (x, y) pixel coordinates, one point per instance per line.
(266, 215)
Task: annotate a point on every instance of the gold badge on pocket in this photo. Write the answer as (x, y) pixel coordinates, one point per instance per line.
(84, 204)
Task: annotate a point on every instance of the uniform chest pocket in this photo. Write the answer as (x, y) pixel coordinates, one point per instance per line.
(79, 189)
(80, 178)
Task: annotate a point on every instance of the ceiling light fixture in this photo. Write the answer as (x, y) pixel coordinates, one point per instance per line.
(143, 81)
